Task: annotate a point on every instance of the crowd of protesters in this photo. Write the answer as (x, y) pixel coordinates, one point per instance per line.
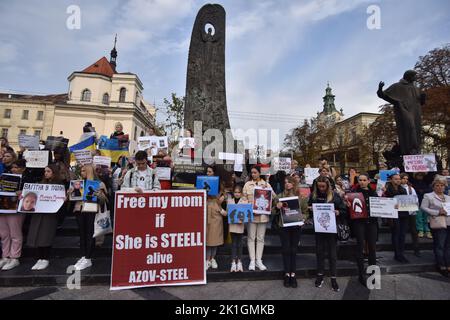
(138, 175)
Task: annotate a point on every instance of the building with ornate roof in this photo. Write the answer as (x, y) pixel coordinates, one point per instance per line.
(98, 94)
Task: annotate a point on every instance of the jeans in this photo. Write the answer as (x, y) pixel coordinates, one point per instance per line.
(365, 231)
(422, 221)
(211, 252)
(86, 225)
(398, 235)
(236, 246)
(256, 233)
(413, 231)
(441, 246)
(326, 241)
(289, 236)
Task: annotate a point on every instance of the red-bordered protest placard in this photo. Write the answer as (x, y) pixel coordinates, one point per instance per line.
(159, 239)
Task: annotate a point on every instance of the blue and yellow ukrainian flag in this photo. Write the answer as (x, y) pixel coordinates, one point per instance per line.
(87, 144)
(112, 148)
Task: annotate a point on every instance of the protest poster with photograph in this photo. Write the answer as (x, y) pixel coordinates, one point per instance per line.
(163, 173)
(381, 207)
(186, 143)
(358, 208)
(83, 156)
(420, 163)
(29, 142)
(42, 198)
(152, 245)
(36, 159)
(210, 184)
(10, 182)
(262, 200)
(54, 143)
(291, 214)
(240, 213)
(311, 174)
(282, 164)
(102, 161)
(144, 143)
(8, 202)
(407, 202)
(78, 190)
(185, 175)
(90, 187)
(324, 218)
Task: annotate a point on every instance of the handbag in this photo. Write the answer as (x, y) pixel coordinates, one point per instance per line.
(102, 223)
(439, 222)
(89, 207)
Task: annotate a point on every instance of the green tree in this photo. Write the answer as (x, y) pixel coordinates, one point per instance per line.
(175, 114)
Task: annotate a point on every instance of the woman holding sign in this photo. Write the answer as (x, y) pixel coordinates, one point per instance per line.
(364, 227)
(256, 230)
(437, 205)
(86, 216)
(289, 236)
(399, 226)
(323, 193)
(43, 225)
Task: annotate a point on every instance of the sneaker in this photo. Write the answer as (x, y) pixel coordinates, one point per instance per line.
(334, 285)
(36, 265)
(319, 281)
(86, 263)
(293, 282)
(79, 261)
(239, 267)
(11, 264)
(3, 262)
(233, 267)
(42, 264)
(260, 265)
(214, 264)
(421, 234)
(429, 235)
(251, 266)
(287, 281)
(207, 264)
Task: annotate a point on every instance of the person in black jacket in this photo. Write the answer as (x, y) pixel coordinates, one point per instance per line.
(365, 229)
(400, 225)
(323, 193)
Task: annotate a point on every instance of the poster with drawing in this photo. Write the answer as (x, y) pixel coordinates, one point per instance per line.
(324, 218)
(420, 163)
(240, 213)
(311, 174)
(262, 200)
(90, 188)
(357, 208)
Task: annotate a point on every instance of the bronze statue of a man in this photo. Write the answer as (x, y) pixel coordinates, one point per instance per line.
(407, 101)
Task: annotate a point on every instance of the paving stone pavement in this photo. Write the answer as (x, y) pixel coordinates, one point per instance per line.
(424, 286)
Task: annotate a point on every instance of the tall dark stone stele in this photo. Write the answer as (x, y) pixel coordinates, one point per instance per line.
(205, 85)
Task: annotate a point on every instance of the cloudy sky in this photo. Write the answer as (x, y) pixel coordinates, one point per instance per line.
(279, 54)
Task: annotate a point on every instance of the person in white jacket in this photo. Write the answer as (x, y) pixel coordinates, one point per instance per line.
(435, 204)
(142, 177)
(412, 214)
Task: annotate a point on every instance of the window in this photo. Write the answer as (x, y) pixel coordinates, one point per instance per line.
(4, 133)
(25, 114)
(105, 99)
(7, 114)
(86, 95)
(37, 133)
(123, 94)
(23, 131)
(40, 115)
(137, 97)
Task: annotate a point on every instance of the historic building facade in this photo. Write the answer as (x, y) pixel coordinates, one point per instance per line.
(97, 94)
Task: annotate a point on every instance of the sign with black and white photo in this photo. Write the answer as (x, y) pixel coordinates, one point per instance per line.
(291, 214)
(54, 143)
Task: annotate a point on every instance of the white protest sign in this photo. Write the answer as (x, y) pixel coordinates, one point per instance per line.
(29, 142)
(383, 207)
(420, 163)
(36, 159)
(311, 174)
(282, 164)
(163, 173)
(102, 161)
(324, 218)
(83, 156)
(42, 198)
(144, 143)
